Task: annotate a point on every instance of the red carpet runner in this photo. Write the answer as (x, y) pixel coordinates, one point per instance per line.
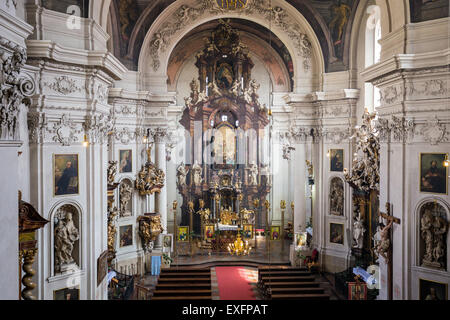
(234, 284)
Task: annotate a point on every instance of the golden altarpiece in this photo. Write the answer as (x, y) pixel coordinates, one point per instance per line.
(227, 175)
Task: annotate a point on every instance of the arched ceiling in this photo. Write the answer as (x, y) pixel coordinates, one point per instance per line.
(261, 42)
(331, 20)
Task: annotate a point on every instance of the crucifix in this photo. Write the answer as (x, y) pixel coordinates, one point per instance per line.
(384, 248)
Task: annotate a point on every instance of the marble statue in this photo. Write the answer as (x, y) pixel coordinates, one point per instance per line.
(182, 173)
(358, 233)
(426, 231)
(66, 234)
(197, 174)
(253, 172)
(126, 193)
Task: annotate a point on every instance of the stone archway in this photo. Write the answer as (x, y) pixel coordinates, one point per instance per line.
(182, 16)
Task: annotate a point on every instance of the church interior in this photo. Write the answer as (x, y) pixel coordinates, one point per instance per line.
(224, 150)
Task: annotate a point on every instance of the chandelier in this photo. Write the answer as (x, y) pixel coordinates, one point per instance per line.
(239, 247)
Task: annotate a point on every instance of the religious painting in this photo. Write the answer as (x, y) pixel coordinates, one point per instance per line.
(209, 232)
(300, 239)
(125, 164)
(67, 294)
(337, 160)
(65, 173)
(357, 291)
(102, 267)
(337, 233)
(337, 197)
(224, 145)
(126, 235)
(78, 8)
(248, 231)
(432, 290)
(275, 233)
(168, 242)
(224, 76)
(183, 234)
(433, 173)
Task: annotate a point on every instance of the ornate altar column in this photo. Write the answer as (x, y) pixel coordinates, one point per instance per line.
(160, 161)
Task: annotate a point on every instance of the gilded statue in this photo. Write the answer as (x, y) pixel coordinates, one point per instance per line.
(112, 170)
(227, 216)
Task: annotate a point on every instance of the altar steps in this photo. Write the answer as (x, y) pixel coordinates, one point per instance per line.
(183, 284)
(184, 275)
(287, 278)
(289, 283)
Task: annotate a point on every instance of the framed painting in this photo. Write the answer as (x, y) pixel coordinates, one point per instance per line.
(209, 231)
(432, 290)
(433, 173)
(125, 161)
(357, 291)
(248, 231)
(183, 234)
(65, 174)
(126, 235)
(337, 233)
(102, 267)
(168, 242)
(300, 239)
(275, 233)
(337, 160)
(67, 294)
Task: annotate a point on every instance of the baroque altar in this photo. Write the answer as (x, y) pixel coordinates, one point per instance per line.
(227, 170)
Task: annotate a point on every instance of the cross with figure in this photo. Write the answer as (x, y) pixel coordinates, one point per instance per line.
(384, 247)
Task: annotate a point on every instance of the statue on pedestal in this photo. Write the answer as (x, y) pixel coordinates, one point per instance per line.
(197, 174)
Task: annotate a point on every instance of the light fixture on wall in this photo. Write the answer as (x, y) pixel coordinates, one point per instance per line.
(328, 154)
(446, 161)
(85, 141)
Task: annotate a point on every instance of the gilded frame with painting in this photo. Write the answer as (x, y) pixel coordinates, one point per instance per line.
(65, 175)
(183, 234)
(433, 173)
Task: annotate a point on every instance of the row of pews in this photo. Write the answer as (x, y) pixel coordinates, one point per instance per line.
(289, 283)
(183, 283)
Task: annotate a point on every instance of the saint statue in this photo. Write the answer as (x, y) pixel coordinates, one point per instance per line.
(66, 234)
(197, 173)
(182, 173)
(253, 171)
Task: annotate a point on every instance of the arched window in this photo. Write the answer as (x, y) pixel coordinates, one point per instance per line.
(372, 54)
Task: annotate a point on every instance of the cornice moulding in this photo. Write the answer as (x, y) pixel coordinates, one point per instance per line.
(405, 62)
(15, 25)
(51, 50)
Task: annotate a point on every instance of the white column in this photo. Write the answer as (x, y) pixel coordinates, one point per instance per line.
(299, 187)
(161, 197)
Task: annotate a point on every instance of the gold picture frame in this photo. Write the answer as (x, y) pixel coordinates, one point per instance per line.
(275, 233)
(442, 292)
(65, 179)
(435, 180)
(248, 231)
(129, 161)
(126, 235)
(102, 267)
(337, 233)
(336, 164)
(208, 232)
(183, 234)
